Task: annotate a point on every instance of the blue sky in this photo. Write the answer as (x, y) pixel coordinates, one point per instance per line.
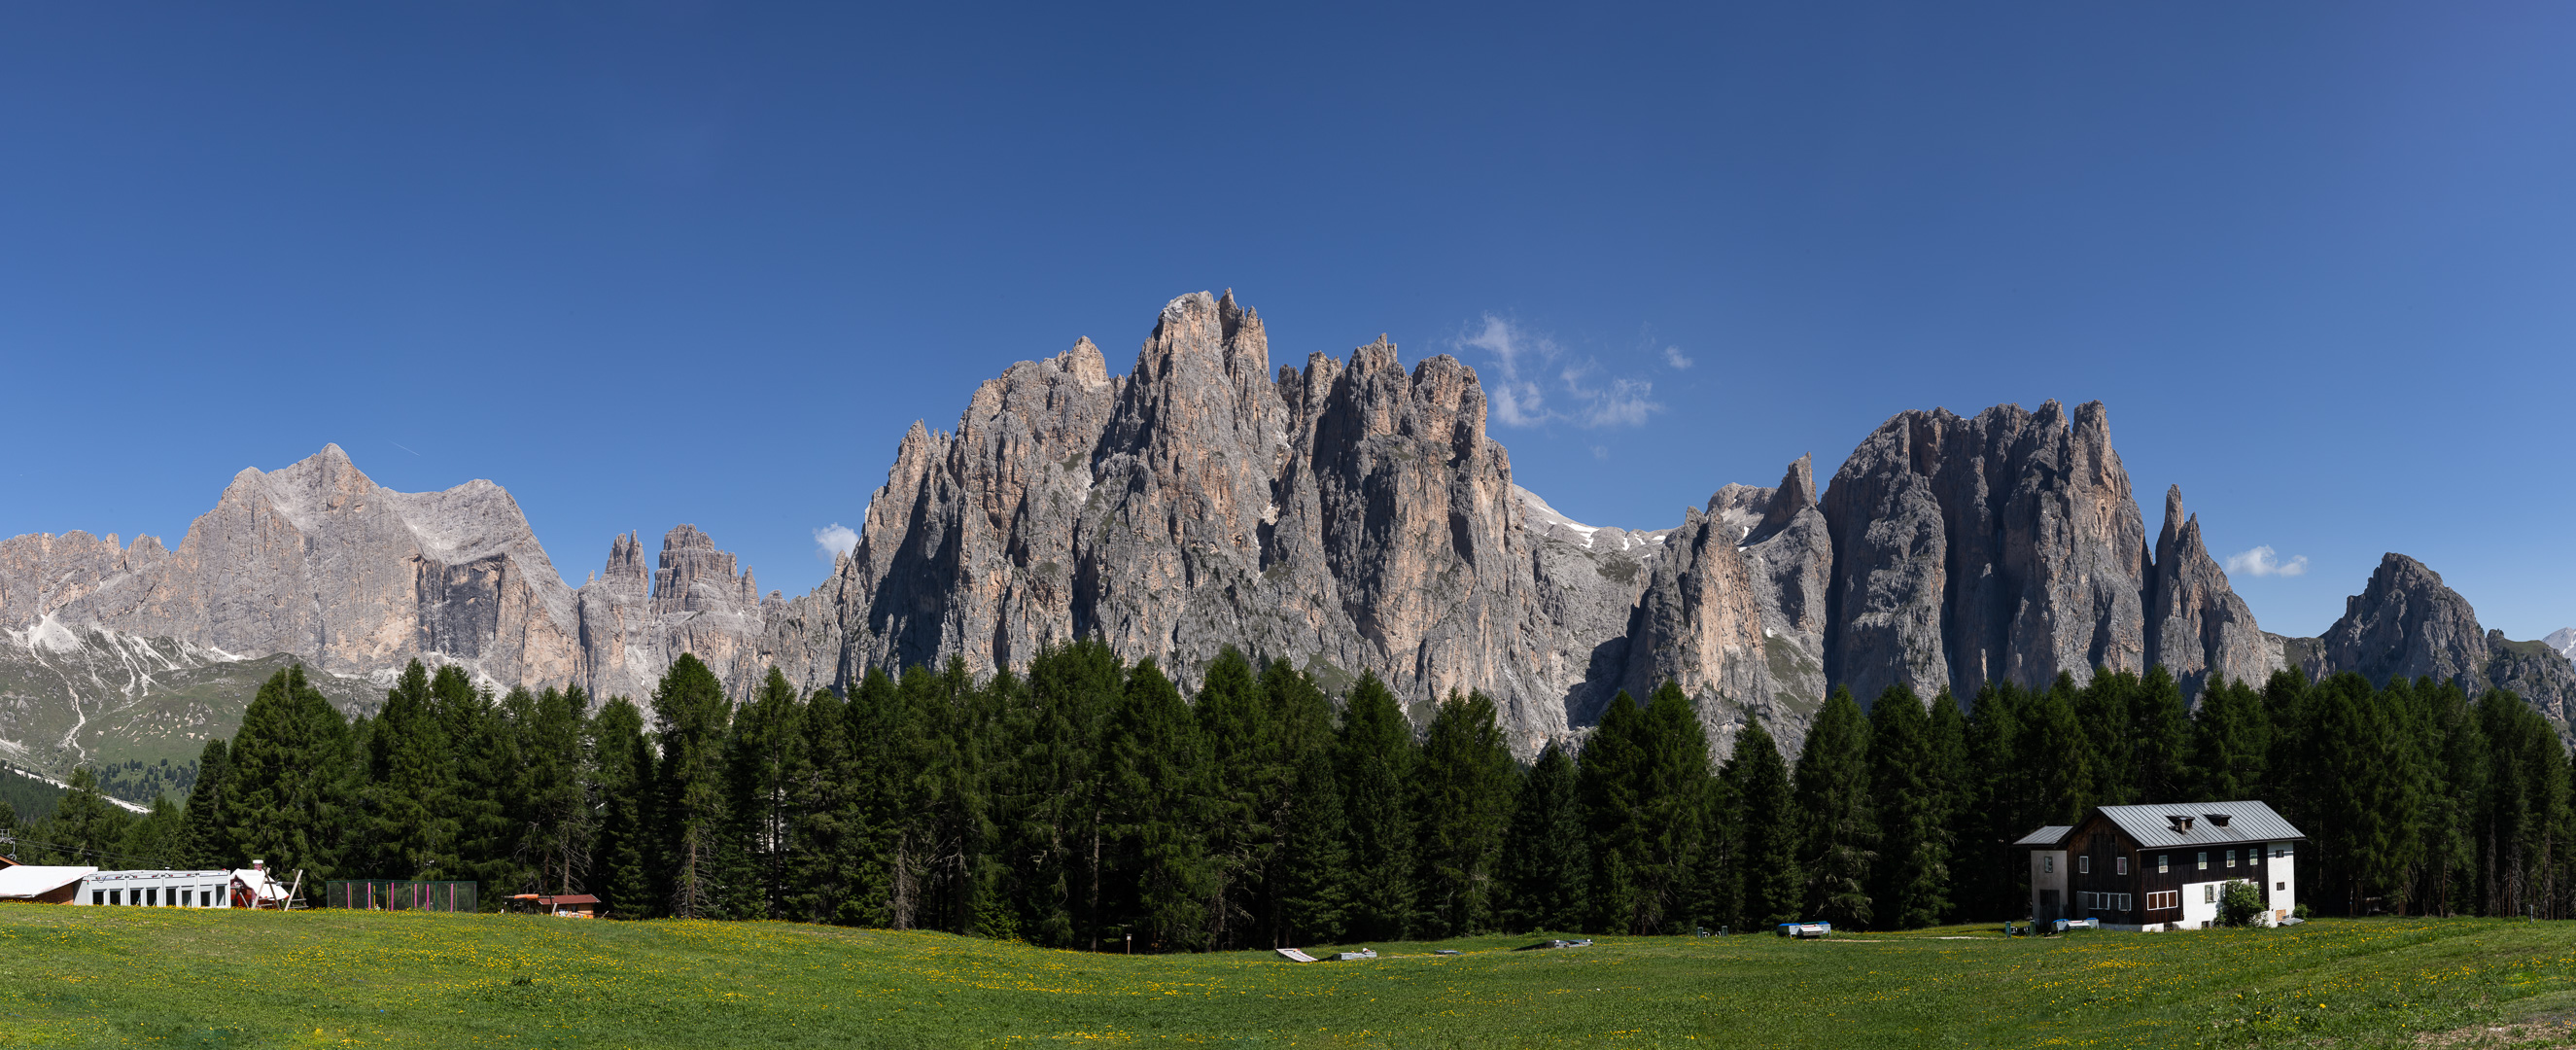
(663, 262)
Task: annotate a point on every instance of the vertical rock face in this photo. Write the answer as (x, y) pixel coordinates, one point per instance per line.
(319, 561)
(1735, 611)
(631, 631)
(1346, 517)
(2004, 547)
(2196, 625)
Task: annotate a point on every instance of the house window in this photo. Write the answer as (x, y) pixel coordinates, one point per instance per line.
(2124, 902)
(2120, 865)
(2166, 900)
(2048, 864)
(2231, 858)
(2084, 865)
(2161, 866)
(2209, 893)
(2204, 860)
(2254, 857)
(2280, 885)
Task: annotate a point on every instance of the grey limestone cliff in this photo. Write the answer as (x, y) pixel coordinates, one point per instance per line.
(1348, 515)
(2003, 547)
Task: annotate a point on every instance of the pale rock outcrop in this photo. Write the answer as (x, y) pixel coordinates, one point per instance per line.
(1735, 612)
(319, 561)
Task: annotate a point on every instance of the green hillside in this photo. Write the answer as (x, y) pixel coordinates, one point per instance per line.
(168, 977)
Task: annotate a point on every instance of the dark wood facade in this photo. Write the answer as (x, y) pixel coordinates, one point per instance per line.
(2117, 881)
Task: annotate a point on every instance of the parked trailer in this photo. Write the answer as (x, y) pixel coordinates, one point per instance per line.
(1805, 930)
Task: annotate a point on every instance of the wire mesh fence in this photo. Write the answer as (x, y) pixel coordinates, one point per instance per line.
(401, 895)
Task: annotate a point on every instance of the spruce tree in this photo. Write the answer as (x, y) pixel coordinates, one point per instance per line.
(2159, 741)
(1463, 795)
(1060, 820)
(208, 844)
(1302, 719)
(1953, 776)
(1314, 871)
(623, 781)
(1250, 772)
(289, 784)
(1911, 879)
(1160, 777)
(1375, 755)
(1832, 783)
(1774, 885)
(411, 782)
(1987, 878)
(1547, 859)
(2230, 742)
(827, 815)
(86, 828)
(553, 804)
(765, 763)
(2061, 771)
(690, 716)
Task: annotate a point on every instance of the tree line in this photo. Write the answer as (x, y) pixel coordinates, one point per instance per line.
(1087, 803)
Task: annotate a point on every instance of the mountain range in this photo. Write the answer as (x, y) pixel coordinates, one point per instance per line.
(1350, 516)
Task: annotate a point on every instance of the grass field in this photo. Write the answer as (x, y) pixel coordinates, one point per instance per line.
(179, 978)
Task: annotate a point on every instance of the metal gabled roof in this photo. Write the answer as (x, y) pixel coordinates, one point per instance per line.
(2047, 836)
(2246, 822)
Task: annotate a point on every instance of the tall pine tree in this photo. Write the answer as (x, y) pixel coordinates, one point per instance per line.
(1833, 794)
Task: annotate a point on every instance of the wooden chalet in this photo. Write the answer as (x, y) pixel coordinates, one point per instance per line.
(2161, 867)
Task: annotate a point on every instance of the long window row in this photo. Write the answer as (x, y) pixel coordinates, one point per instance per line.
(153, 897)
(2090, 901)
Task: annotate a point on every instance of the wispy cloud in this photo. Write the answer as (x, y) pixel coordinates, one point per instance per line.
(1528, 369)
(1673, 356)
(2264, 561)
(834, 540)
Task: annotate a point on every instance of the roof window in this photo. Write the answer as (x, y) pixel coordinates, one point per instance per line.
(2181, 822)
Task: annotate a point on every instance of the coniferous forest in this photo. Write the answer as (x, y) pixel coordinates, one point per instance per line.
(1090, 804)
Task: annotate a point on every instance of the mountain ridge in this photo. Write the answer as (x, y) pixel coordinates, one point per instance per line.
(1350, 516)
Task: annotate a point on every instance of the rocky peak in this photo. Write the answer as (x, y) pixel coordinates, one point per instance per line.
(2562, 641)
(2197, 626)
(2405, 623)
(694, 576)
(625, 573)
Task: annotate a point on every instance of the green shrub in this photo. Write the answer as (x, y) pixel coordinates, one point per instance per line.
(2239, 903)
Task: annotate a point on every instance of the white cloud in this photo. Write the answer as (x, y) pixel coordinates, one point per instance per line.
(833, 540)
(1521, 360)
(1673, 356)
(2264, 561)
